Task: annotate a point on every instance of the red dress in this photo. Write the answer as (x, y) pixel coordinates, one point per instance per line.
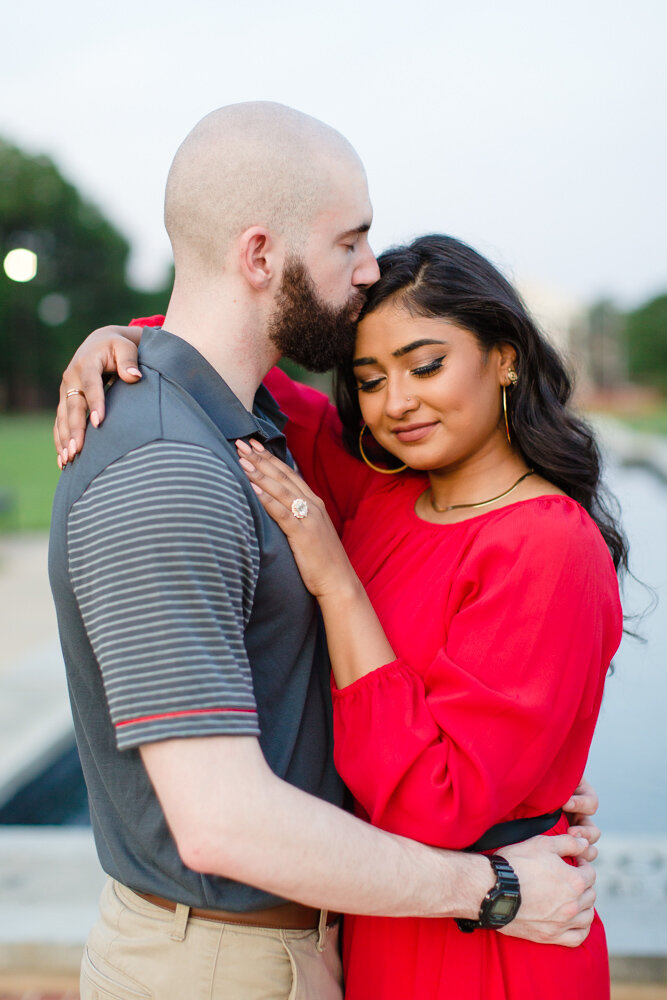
(504, 626)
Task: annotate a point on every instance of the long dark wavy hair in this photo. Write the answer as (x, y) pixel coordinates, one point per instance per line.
(441, 277)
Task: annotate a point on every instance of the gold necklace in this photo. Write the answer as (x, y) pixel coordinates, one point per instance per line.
(483, 503)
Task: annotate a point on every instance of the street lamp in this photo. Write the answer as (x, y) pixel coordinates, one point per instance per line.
(20, 264)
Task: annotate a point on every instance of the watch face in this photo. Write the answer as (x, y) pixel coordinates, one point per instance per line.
(504, 907)
(504, 899)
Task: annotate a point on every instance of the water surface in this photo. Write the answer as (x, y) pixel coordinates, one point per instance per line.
(628, 761)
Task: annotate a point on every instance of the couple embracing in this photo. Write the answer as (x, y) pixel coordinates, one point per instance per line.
(448, 543)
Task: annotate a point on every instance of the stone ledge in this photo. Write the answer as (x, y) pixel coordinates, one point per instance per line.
(638, 968)
(632, 895)
(47, 962)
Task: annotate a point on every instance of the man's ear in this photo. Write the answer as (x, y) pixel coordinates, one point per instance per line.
(258, 257)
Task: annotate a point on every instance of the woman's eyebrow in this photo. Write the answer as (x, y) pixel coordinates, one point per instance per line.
(358, 362)
(415, 343)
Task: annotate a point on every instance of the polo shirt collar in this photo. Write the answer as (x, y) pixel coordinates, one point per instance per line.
(182, 363)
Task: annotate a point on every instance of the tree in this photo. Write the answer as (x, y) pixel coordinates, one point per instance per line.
(80, 280)
(646, 338)
(607, 363)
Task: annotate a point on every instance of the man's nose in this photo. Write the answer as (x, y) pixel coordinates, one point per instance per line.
(367, 271)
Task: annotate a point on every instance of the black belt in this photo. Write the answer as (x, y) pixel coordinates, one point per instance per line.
(513, 831)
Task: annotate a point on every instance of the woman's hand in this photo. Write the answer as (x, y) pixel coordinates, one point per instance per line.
(317, 549)
(357, 643)
(109, 349)
(580, 809)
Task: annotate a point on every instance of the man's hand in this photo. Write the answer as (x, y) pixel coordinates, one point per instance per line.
(109, 349)
(557, 899)
(579, 810)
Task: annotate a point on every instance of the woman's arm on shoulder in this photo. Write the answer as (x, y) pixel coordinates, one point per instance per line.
(110, 350)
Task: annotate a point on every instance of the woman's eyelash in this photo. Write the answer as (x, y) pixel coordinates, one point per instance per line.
(370, 385)
(424, 370)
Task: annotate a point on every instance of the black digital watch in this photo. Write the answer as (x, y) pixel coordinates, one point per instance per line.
(502, 901)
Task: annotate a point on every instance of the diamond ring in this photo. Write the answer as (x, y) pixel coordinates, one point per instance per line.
(299, 508)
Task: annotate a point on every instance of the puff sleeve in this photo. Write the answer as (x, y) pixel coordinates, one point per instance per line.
(497, 725)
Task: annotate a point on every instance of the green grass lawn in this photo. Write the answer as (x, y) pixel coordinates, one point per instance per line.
(650, 423)
(28, 471)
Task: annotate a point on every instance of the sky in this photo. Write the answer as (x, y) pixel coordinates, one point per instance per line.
(534, 131)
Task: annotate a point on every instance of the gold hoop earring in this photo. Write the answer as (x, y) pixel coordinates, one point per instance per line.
(507, 426)
(376, 468)
(514, 378)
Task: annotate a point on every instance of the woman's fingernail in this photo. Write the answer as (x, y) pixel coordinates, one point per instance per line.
(71, 447)
(134, 371)
(257, 489)
(60, 463)
(256, 445)
(95, 418)
(243, 446)
(245, 464)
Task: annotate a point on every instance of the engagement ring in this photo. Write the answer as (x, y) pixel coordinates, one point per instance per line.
(299, 508)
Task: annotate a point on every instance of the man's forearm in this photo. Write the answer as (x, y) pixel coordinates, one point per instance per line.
(248, 825)
(319, 855)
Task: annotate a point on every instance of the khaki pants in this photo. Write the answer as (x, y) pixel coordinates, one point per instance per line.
(139, 951)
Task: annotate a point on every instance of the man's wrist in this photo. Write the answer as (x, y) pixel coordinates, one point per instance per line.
(473, 880)
(501, 903)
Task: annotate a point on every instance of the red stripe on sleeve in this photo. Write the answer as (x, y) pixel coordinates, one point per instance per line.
(176, 715)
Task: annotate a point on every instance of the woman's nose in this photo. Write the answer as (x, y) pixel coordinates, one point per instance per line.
(399, 401)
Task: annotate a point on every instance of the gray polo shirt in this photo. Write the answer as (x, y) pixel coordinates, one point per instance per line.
(181, 611)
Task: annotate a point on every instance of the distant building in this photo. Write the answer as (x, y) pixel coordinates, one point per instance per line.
(590, 338)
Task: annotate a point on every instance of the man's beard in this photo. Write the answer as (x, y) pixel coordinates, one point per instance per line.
(308, 330)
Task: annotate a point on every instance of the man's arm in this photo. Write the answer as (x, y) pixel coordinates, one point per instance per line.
(230, 815)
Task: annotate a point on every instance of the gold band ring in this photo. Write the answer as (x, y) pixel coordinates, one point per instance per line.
(75, 392)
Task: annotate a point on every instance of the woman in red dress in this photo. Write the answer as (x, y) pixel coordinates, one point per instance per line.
(474, 610)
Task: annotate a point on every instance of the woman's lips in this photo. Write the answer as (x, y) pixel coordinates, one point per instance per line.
(412, 432)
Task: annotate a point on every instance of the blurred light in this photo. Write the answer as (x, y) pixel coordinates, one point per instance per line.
(54, 309)
(20, 265)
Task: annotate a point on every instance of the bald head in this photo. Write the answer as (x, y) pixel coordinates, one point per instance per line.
(251, 164)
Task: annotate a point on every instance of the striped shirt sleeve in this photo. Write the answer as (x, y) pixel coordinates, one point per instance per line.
(163, 558)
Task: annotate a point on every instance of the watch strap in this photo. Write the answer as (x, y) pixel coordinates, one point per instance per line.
(507, 883)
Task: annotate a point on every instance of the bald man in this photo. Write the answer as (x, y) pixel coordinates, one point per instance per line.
(195, 658)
